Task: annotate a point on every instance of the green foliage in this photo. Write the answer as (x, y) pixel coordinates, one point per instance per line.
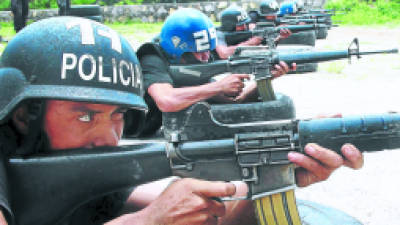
(42, 4)
(5, 5)
(120, 2)
(367, 12)
(6, 32)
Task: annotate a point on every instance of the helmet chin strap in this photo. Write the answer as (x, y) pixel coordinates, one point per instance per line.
(36, 138)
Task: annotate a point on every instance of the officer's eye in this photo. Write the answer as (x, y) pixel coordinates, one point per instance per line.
(119, 115)
(88, 117)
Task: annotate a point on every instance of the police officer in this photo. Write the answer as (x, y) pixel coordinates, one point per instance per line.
(73, 91)
(234, 19)
(66, 83)
(300, 5)
(288, 8)
(266, 12)
(187, 36)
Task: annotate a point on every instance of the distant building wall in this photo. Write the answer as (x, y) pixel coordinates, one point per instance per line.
(150, 12)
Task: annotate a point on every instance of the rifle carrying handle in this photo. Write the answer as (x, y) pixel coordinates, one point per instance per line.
(368, 133)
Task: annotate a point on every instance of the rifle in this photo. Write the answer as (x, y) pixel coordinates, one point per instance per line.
(259, 60)
(46, 188)
(333, 11)
(296, 20)
(267, 33)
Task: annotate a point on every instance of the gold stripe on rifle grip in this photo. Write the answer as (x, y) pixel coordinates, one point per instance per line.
(291, 203)
(265, 214)
(259, 212)
(272, 210)
(265, 90)
(279, 209)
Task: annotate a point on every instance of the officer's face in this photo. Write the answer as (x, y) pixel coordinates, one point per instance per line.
(71, 124)
(242, 27)
(271, 17)
(202, 57)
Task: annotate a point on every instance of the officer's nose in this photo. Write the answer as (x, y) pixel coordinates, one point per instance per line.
(202, 56)
(106, 135)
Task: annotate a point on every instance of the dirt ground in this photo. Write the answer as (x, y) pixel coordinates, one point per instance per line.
(369, 85)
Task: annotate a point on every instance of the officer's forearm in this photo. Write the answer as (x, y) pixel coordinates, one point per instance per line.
(225, 51)
(2, 219)
(170, 99)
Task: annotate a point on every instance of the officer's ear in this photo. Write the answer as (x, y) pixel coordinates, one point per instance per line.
(20, 119)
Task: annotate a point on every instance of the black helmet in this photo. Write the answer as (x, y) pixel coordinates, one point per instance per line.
(233, 16)
(70, 58)
(268, 7)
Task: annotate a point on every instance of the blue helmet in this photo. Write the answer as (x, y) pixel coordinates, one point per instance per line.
(287, 8)
(187, 30)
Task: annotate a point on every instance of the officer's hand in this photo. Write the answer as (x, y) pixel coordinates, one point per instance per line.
(320, 162)
(249, 93)
(232, 85)
(189, 201)
(284, 33)
(281, 69)
(254, 41)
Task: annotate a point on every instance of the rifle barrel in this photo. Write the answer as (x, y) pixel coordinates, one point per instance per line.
(299, 28)
(307, 57)
(394, 50)
(368, 133)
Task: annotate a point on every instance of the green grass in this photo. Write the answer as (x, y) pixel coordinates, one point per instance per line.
(7, 29)
(6, 32)
(135, 26)
(138, 31)
(379, 12)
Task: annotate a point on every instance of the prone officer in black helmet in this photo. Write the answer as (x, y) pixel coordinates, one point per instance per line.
(235, 19)
(66, 83)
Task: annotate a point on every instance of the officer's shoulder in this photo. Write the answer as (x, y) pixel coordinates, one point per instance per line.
(149, 48)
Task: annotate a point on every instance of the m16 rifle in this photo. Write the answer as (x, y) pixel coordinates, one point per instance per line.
(47, 188)
(259, 60)
(332, 11)
(296, 20)
(267, 33)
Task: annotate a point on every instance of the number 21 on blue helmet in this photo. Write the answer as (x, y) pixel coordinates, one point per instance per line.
(187, 30)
